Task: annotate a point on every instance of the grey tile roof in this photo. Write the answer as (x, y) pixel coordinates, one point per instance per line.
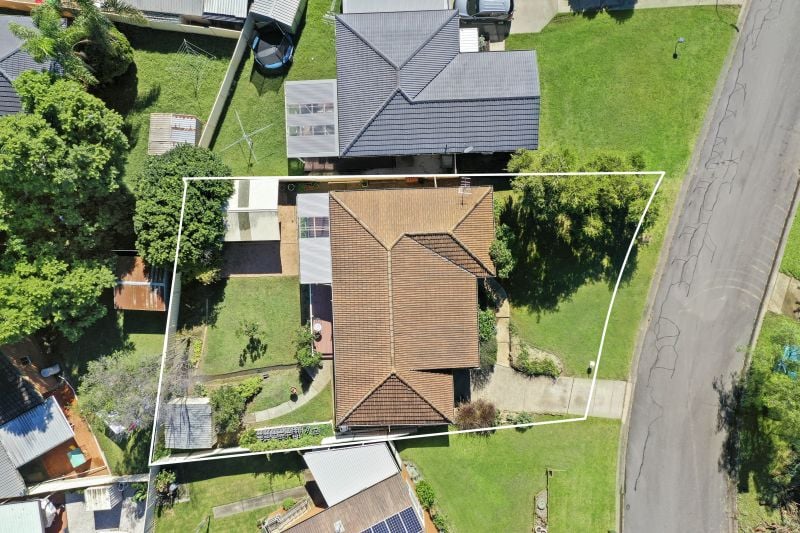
(187, 424)
(404, 88)
(18, 394)
(35, 432)
(11, 483)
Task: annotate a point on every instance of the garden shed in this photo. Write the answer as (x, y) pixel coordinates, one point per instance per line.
(252, 212)
(102, 498)
(188, 425)
(140, 287)
(168, 130)
(287, 13)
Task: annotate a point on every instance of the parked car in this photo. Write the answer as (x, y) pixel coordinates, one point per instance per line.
(497, 11)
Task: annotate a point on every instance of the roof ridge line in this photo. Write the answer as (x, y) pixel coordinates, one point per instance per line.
(357, 219)
(458, 242)
(424, 399)
(471, 209)
(377, 112)
(367, 395)
(430, 37)
(365, 41)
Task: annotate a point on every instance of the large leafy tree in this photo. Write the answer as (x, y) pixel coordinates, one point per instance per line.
(59, 206)
(89, 49)
(557, 233)
(159, 191)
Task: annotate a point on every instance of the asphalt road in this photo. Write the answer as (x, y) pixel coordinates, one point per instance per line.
(707, 301)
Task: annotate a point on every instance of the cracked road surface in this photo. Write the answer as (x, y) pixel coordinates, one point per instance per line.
(707, 300)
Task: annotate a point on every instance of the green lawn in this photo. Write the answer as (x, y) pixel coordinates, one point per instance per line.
(217, 482)
(319, 409)
(273, 302)
(165, 83)
(259, 99)
(612, 85)
(276, 389)
(790, 264)
(482, 480)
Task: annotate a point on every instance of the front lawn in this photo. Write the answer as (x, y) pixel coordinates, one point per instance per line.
(276, 389)
(166, 81)
(221, 481)
(273, 302)
(487, 483)
(259, 99)
(614, 85)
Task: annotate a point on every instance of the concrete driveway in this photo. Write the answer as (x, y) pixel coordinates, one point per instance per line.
(730, 223)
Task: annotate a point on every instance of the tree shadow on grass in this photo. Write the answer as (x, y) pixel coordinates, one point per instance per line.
(548, 271)
(201, 304)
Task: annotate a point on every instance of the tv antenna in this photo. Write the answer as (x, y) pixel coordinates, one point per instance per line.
(246, 138)
(465, 189)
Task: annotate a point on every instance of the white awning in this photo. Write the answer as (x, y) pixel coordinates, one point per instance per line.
(344, 472)
(252, 213)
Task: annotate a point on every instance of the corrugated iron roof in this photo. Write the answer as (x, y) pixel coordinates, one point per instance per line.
(177, 7)
(284, 12)
(139, 286)
(233, 8)
(11, 483)
(344, 472)
(188, 425)
(404, 267)
(22, 516)
(405, 88)
(168, 130)
(35, 432)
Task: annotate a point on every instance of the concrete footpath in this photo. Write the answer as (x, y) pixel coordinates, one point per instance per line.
(323, 377)
(266, 500)
(510, 390)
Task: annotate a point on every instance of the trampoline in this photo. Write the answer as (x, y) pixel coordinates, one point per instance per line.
(273, 47)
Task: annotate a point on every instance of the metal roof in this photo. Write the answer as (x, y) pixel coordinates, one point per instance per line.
(254, 195)
(19, 394)
(22, 516)
(168, 130)
(233, 8)
(35, 432)
(386, 6)
(102, 498)
(344, 472)
(311, 118)
(11, 483)
(404, 88)
(315, 252)
(188, 425)
(252, 211)
(285, 12)
(177, 7)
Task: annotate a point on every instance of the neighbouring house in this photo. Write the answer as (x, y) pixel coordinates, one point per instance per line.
(404, 86)
(386, 6)
(363, 489)
(168, 130)
(29, 516)
(188, 424)
(252, 211)
(229, 14)
(405, 265)
(140, 287)
(14, 61)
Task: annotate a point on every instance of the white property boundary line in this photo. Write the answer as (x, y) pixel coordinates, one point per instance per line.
(383, 177)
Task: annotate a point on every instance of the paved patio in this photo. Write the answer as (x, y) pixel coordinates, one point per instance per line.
(510, 390)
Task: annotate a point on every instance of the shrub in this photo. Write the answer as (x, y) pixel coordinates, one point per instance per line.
(163, 480)
(228, 409)
(500, 251)
(249, 388)
(522, 418)
(535, 367)
(441, 522)
(197, 351)
(486, 324)
(488, 353)
(288, 503)
(477, 414)
(140, 491)
(425, 494)
(305, 354)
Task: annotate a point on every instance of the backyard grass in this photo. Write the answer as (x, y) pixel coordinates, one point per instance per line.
(482, 480)
(614, 85)
(217, 482)
(166, 82)
(259, 99)
(319, 409)
(273, 302)
(276, 389)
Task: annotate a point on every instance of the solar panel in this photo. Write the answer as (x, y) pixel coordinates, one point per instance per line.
(395, 524)
(380, 527)
(411, 520)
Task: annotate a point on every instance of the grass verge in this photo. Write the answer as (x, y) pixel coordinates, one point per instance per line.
(614, 85)
(213, 483)
(481, 480)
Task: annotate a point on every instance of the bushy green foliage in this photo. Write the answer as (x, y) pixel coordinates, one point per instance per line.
(523, 418)
(488, 353)
(477, 414)
(121, 389)
(90, 49)
(164, 479)
(441, 522)
(305, 354)
(307, 438)
(288, 503)
(535, 367)
(425, 494)
(486, 324)
(228, 408)
(500, 251)
(249, 387)
(159, 192)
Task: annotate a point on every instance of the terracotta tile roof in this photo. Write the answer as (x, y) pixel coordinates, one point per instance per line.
(404, 266)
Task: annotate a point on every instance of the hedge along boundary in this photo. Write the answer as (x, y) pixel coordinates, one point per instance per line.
(227, 83)
(235, 452)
